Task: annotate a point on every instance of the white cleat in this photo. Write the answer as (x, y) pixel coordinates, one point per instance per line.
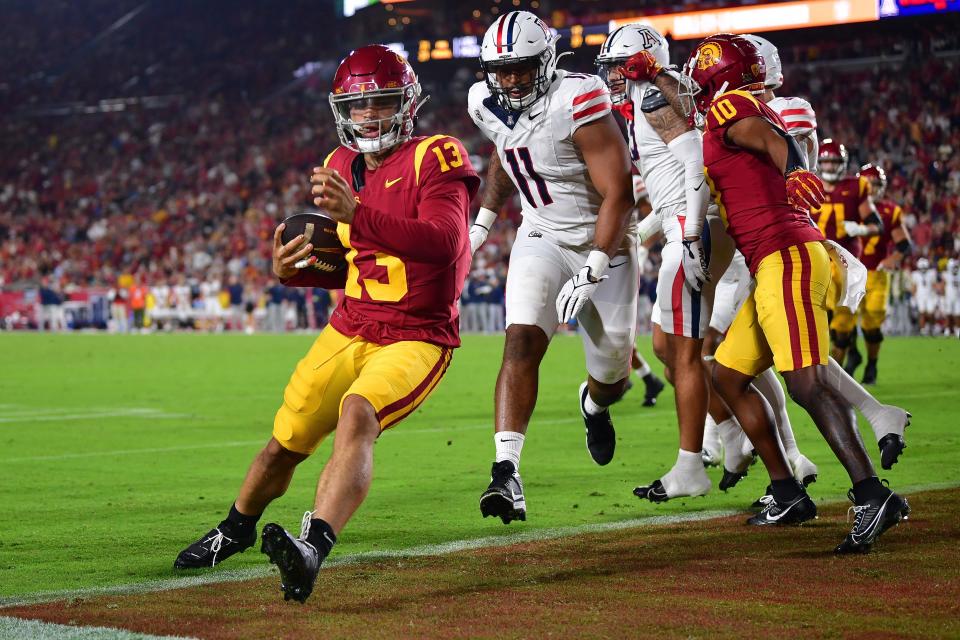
(803, 470)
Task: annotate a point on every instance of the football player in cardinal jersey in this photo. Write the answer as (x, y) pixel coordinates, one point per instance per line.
(575, 254)
(888, 421)
(668, 151)
(757, 174)
(401, 203)
(878, 258)
(847, 214)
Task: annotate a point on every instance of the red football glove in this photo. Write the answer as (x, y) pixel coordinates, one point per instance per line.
(641, 67)
(804, 190)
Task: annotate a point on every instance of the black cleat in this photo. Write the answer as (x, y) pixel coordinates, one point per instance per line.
(871, 519)
(298, 561)
(653, 492)
(213, 548)
(853, 360)
(731, 478)
(504, 496)
(870, 373)
(891, 446)
(601, 438)
(654, 387)
(797, 511)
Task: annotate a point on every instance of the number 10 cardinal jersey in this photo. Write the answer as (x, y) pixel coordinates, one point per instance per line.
(749, 190)
(536, 150)
(408, 250)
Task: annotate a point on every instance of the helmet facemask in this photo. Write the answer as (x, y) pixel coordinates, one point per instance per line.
(832, 168)
(617, 87)
(691, 96)
(521, 96)
(375, 134)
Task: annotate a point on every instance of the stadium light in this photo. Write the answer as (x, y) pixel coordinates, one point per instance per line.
(757, 18)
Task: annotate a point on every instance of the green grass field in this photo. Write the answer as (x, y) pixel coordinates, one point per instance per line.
(120, 450)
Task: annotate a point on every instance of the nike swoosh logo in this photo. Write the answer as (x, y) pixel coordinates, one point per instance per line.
(390, 183)
(784, 512)
(619, 264)
(533, 117)
(697, 188)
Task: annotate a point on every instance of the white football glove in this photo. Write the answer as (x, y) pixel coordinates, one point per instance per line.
(854, 229)
(696, 264)
(481, 227)
(578, 289)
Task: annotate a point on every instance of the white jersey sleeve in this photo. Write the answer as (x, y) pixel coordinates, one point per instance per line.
(589, 100)
(801, 121)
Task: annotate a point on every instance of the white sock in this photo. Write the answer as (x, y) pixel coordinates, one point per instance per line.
(711, 437)
(769, 387)
(644, 369)
(592, 407)
(734, 439)
(509, 445)
(851, 391)
(687, 477)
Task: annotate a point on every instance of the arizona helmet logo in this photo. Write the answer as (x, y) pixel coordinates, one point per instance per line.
(708, 55)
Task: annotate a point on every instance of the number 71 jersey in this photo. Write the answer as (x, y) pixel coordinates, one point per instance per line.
(537, 151)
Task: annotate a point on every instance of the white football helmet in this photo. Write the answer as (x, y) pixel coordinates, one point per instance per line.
(923, 264)
(515, 39)
(771, 59)
(624, 42)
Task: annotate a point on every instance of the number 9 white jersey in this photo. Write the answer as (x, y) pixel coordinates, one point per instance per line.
(537, 151)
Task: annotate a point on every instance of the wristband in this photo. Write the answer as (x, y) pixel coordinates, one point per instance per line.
(597, 262)
(485, 218)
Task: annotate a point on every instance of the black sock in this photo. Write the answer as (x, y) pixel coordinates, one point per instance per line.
(785, 490)
(321, 536)
(240, 524)
(649, 378)
(871, 362)
(869, 489)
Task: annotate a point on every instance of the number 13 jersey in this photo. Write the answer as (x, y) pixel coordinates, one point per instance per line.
(537, 151)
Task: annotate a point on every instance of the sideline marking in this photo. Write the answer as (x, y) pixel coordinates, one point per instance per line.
(436, 549)
(38, 630)
(47, 415)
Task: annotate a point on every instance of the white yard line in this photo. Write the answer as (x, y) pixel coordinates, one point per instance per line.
(37, 630)
(51, 416)
(218, 576)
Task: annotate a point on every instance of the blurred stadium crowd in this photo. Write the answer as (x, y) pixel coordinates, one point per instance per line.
(148, 158)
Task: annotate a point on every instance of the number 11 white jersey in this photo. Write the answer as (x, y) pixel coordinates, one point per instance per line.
(537, 151)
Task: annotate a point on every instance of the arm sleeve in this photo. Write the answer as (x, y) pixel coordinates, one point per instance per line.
(688, 149)
(437, 235)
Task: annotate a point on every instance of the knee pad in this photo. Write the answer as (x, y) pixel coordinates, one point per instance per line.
(873, 336)
(841, 340)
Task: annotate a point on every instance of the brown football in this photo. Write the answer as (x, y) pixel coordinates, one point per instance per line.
(321, 231)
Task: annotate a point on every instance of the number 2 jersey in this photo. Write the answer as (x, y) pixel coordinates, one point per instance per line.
(408, 251)
(536, 149)
(749, 190)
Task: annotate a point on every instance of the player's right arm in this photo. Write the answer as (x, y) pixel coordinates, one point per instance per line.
(286, 256)
(498, 188)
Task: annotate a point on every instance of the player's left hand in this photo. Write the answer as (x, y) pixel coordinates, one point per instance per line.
(332, 194)
(696, 263)
(641, 67)
(804, 190)
(575, 293)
